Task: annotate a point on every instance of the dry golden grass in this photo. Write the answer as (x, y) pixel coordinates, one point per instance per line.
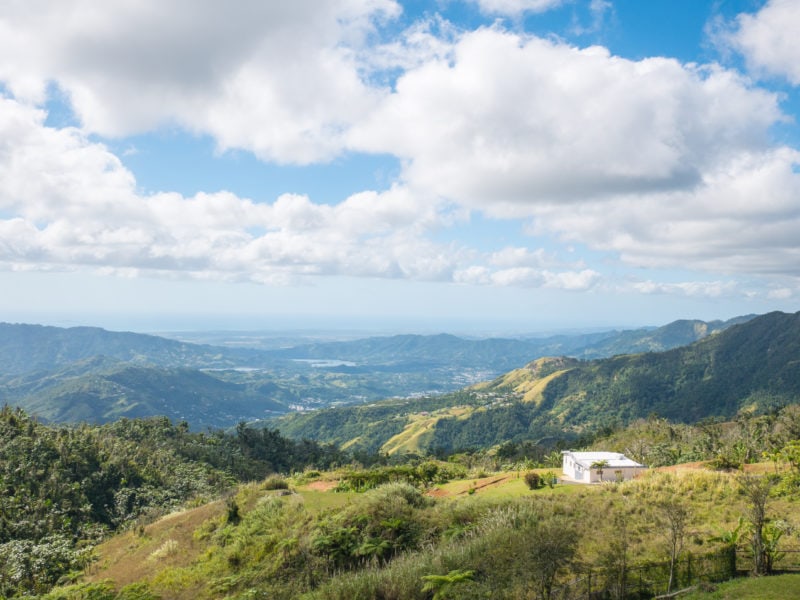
(419, 427)
(140, 555)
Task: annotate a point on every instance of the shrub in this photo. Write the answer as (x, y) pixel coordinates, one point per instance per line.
(168, 548)
(533, 480)
(275, 482)
(550, 479)
(232, 515)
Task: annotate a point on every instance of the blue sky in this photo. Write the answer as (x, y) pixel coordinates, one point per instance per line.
(464, 165)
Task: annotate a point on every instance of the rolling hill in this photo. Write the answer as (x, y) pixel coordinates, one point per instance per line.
(29, 348)
(90, 374)
(749, 367)
(100, 390)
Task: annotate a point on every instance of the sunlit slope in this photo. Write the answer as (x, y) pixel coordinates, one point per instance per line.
(530, 382)
(748, 367)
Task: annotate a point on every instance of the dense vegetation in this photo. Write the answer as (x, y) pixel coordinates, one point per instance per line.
(378, 534)
(64, 488)
(464, 539)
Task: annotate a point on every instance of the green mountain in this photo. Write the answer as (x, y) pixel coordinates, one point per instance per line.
(675, 334)
(86, 373)
(100, 390)
(752, 366)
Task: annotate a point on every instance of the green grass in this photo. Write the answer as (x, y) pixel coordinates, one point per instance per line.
(510, 486)
(318, 501)
(777, 587)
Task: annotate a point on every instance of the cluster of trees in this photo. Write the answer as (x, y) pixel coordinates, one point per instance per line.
(63, 488)
(746, 439)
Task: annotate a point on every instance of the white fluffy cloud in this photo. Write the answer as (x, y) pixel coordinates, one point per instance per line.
(707, 289)
(514, 122)
(276, 78)
(741, 218)
(667, 165)
(515, 7)
(67, 203)
(769, 41)
(660, 163)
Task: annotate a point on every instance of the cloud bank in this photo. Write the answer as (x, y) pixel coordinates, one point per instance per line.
(660, 164)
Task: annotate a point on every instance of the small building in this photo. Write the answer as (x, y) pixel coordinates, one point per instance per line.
(595, 467)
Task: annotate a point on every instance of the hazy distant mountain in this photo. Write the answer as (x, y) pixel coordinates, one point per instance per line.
(675, 334)
(26, 348)
(501, 354)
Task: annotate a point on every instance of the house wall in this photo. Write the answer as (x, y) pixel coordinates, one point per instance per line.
(610, 474)
(576, 471)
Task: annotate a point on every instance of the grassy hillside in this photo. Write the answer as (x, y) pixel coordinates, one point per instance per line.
(324, 530)
(62, 489)
(477, 537)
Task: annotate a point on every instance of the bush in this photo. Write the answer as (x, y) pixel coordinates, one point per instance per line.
(232, 512)
(275, 482)
(533, 480)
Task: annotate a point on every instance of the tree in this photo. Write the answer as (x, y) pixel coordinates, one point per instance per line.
(615, 559)
(674, 517)
(599, 465)
(756, 490)
(533, 480)
(553, 544)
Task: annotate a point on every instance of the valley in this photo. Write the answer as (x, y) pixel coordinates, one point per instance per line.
(87, 373)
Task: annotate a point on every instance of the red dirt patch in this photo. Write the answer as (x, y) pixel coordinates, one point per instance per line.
(476, 485)
(487, 482)
(322, 486)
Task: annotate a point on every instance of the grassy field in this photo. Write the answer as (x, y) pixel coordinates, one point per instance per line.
(777, 587)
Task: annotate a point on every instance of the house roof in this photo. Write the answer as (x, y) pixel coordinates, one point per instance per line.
(615, 460)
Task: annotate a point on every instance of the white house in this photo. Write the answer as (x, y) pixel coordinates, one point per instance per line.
(609, 466)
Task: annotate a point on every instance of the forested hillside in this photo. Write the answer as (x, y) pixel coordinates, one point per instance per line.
(753, 366)
(491, 524)
(63, 488)
(100, 390)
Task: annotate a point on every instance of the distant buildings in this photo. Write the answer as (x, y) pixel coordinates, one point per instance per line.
(594, 467)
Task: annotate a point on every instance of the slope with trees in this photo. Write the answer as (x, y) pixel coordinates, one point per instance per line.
(750, 367)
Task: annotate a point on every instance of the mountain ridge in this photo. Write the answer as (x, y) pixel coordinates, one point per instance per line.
(749, 367)
(75, 373)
